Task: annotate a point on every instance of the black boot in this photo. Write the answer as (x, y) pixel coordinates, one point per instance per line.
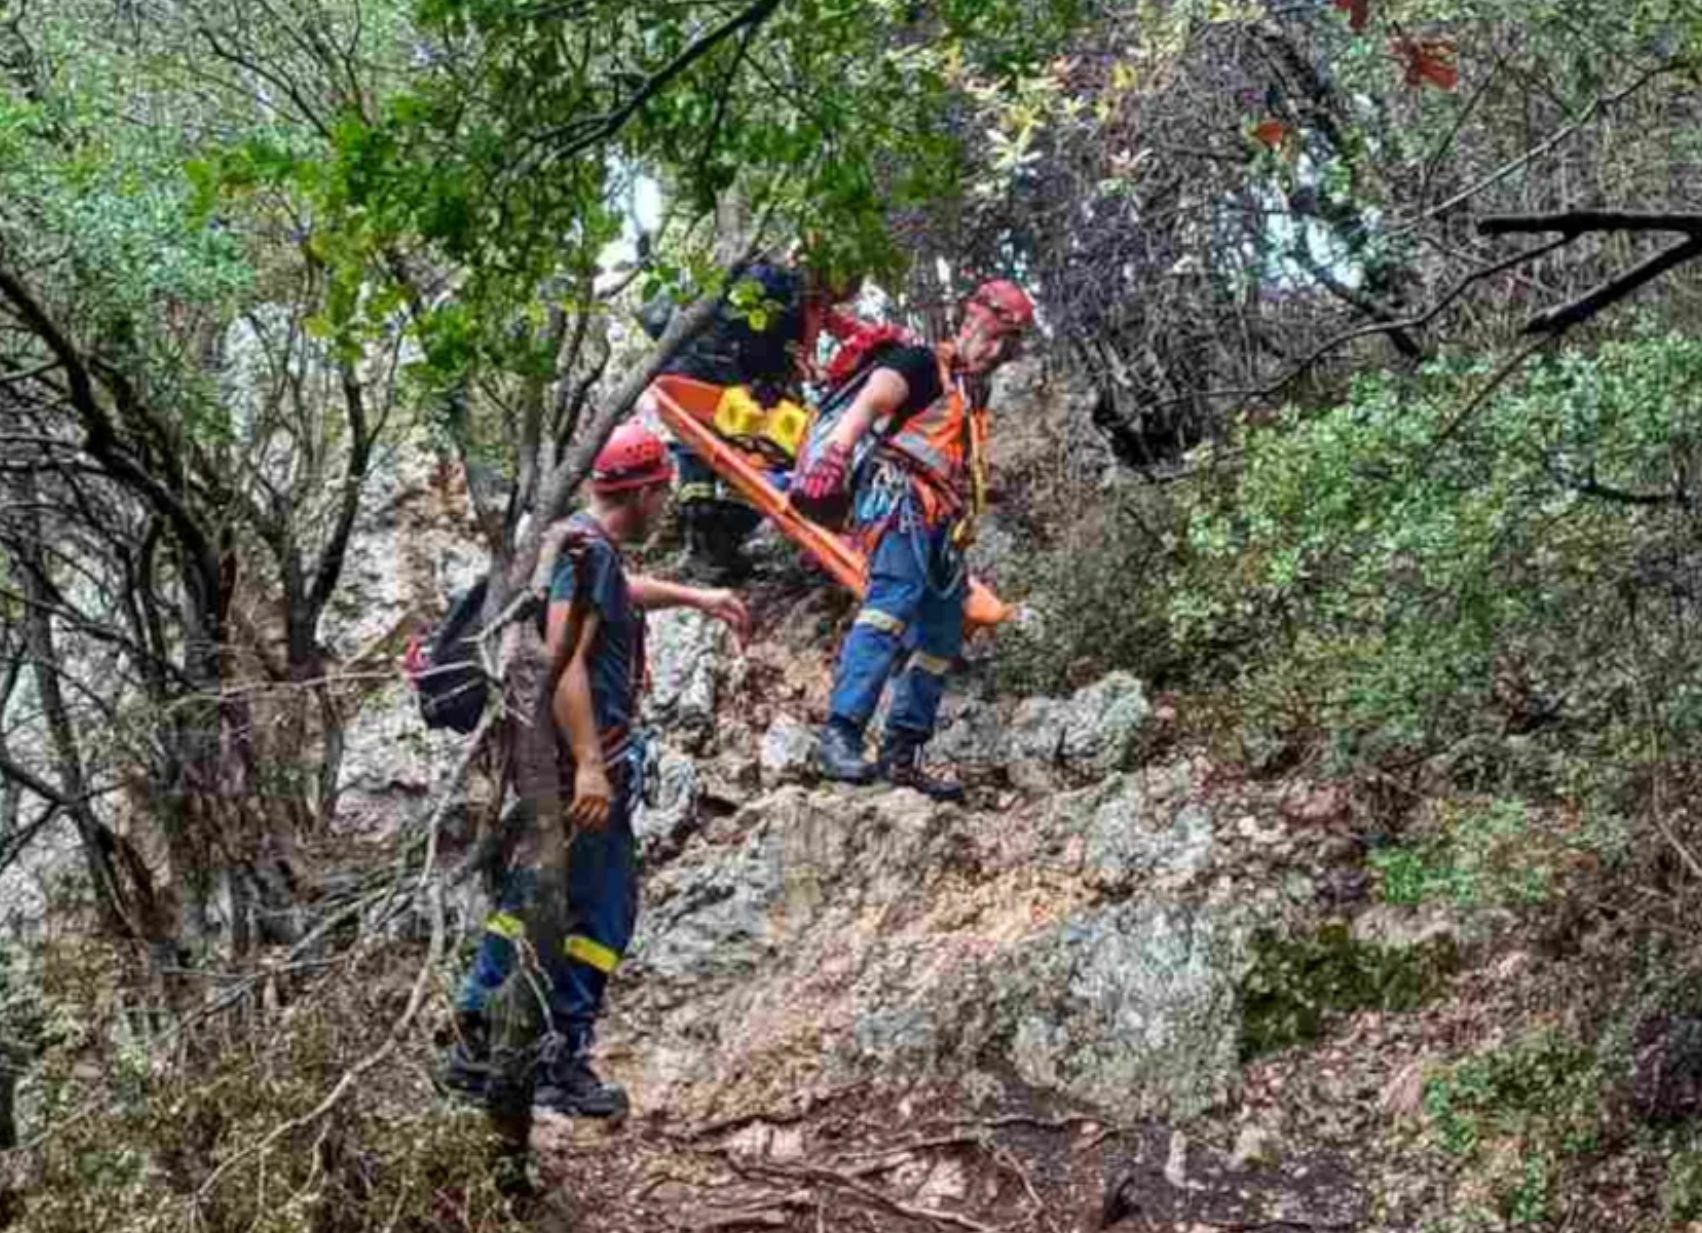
(901, 766)
(841, 754)
(568, 1085)
(467, 1061)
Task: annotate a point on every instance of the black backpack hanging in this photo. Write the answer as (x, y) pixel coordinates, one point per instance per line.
(453, 687)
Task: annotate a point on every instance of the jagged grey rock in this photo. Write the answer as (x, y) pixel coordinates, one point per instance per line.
(1092, 733)
(674, 787)
(971, 735)
(685, 649)
(866, 931)
(788, 751)
(1132, 1008)
(391, 761)
(1130, 833)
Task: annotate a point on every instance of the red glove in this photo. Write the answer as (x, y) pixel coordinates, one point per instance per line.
(826, 476)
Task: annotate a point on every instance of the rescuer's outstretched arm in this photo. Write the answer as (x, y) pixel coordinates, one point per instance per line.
(883, 393)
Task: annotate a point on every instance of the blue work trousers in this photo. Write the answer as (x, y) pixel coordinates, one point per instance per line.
(914, 607)
(602, 877)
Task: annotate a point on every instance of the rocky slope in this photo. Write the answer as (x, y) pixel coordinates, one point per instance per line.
(1050, 972)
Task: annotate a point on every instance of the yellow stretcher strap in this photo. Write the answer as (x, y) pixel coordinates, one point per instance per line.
(591, 952)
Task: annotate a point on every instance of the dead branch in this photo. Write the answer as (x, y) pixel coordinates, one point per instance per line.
(398, 1032)
(1575, 223)
(1614, 289)
(823, 1176)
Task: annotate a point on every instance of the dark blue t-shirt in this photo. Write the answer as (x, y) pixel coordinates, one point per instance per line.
(616, 664)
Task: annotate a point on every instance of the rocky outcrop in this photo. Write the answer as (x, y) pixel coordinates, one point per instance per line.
(685, 649)
(819, 935)
(1038, 741)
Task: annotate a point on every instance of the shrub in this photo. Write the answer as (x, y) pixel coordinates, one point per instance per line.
(133, 1128)
(1519, 1114)
(1294, 983)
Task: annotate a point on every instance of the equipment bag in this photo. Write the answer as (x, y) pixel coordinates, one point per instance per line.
(452, 684)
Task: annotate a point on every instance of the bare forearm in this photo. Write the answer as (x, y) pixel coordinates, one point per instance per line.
(884, 392)
(574, 714)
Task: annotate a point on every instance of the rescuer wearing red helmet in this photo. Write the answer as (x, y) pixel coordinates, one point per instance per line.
(594, 638)
(913, 505)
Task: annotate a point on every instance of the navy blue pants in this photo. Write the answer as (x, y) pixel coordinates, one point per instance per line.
(914, 605)
(602, 900)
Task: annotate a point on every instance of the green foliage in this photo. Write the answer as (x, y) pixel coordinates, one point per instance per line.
(1100, 595)
(1681, 1191)
(1484, 853)
(1541, 1096)
(1403, 579)
(1294, 983)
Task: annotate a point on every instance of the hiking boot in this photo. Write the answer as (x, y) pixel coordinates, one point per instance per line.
(901, 766)
(467, 1062)
(568, 1085)
(841, 754)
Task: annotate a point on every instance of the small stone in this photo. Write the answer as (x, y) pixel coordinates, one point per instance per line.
(1251, 829)
(788, 751)
(1255, 1148)
(1314, 808)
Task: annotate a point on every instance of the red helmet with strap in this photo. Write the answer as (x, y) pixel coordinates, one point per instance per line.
(634, 457)
(1003, 301)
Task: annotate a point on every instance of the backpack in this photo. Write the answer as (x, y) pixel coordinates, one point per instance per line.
(451, 683)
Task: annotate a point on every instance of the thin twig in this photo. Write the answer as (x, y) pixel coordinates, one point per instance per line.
(398, 1030)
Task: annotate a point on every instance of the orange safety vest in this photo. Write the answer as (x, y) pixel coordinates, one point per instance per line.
(945, 447)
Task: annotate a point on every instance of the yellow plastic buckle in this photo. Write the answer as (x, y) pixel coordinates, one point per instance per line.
(738, 415)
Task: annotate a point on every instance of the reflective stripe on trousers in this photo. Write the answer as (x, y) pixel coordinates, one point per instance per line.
(902, 611)
(602, 894)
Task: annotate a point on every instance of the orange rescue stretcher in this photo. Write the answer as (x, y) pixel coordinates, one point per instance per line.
(688, 408)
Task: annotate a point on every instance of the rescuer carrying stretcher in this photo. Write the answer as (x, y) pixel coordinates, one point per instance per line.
(904, 462)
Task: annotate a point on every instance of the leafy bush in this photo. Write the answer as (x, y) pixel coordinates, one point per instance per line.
(1099, 596)
(1540, 1099)
(1294, 983)
(1411, 570)
(1485, 853)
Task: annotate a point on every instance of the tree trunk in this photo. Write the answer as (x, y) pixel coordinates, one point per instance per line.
(39, 599)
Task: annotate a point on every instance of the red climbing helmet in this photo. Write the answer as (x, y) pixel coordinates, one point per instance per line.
(634, 457)
(1003, 301)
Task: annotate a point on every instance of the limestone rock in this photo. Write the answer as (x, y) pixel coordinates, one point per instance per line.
(788, 751)
(674, 788)
(1124, 832)
(685, 649)
(842, 932)
(391, 761)
(971, 735)
(1093, 732)
(1130, 1008)
(1090, 734)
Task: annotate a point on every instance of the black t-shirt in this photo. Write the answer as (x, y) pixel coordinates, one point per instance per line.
(920, 368)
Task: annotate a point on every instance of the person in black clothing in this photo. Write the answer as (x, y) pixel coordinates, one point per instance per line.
(731, 350)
